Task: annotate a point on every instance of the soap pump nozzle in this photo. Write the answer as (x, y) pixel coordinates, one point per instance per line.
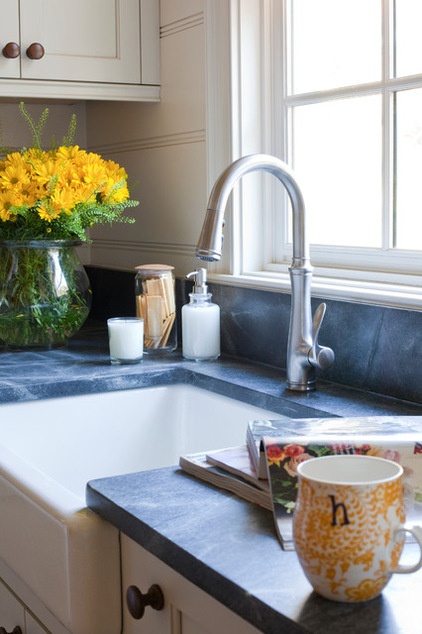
(200, 277)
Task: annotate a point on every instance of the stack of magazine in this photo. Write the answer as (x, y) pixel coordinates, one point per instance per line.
(231, 469)
(264, 470)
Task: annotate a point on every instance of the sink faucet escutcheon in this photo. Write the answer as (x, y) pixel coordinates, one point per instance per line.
(304, 354)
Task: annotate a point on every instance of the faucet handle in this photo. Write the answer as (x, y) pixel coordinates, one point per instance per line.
(319, 356)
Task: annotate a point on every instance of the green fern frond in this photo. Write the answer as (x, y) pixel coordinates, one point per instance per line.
(36, 129)
(69, 138)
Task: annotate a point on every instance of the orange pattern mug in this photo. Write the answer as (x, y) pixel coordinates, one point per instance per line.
(348, 525)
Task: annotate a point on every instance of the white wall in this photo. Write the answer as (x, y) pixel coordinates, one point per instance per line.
(162, 146)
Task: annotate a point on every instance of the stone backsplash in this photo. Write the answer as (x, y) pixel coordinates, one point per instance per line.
(378, 349)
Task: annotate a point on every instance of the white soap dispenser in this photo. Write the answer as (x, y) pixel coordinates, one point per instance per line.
(200, 322)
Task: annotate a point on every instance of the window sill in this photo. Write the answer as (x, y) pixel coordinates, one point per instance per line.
(367, 292)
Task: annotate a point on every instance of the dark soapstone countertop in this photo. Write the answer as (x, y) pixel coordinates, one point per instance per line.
(84, 367)
(223, 544)
(229, 549)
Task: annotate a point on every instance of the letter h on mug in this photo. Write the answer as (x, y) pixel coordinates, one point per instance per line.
(336, 507)
(348, 525)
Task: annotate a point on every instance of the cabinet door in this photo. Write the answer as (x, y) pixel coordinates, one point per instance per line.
(187, 609)
(95, 41)
(9, 33)
(12, 612)
(33, 627)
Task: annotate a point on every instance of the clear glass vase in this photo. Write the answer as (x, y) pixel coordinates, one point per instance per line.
(45, 294)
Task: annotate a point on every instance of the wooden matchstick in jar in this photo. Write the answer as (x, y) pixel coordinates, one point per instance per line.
(155, 303)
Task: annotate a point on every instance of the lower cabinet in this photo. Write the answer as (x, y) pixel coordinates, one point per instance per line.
(187, 609)
(13, 614)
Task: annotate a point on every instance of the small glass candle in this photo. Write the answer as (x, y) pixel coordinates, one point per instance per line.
(126, 339)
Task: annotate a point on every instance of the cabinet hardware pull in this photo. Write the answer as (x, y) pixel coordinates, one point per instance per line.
(137, 602)
(16, 630)
(11, 50)
(35, 51)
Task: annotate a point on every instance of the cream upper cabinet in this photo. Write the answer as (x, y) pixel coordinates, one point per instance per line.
(10, 39)
(101, 49)
(83, 41)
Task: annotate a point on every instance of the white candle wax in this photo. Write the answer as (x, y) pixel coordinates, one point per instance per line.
(126, 339)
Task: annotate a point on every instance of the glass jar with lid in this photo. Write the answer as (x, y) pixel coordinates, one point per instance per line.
(156, 304)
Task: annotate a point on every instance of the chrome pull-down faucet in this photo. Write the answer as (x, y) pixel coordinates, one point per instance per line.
(304, 354)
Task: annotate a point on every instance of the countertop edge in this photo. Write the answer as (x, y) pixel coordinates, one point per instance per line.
(194, 569)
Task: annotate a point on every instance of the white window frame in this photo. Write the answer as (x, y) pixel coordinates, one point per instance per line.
(242, 89)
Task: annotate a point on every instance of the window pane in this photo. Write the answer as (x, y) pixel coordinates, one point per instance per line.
(337, 157)
(408, 219)
(334, 43)
(408, 37)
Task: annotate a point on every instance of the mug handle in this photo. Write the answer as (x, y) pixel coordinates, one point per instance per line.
(416, 531)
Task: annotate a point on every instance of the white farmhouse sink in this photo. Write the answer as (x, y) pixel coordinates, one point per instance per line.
(60, 557)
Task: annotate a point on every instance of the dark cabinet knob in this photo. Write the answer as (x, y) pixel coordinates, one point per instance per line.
(137, 602)
(11, 50)
(35, 51)
(16, 630)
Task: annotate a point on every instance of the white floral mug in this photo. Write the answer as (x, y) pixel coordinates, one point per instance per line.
(348, 525)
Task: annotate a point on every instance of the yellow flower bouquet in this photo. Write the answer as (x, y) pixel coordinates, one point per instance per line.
(48, 201)
(57, 194)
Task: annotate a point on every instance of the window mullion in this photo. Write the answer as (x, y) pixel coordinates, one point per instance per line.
(388, 116)
(281, 248)
(389, 170)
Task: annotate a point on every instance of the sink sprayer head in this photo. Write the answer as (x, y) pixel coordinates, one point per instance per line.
(210, 243)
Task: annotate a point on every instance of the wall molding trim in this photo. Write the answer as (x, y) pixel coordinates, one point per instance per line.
(125, 255)
(136, 145)
(177, 26)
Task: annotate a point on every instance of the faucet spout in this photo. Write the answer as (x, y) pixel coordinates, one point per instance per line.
(304, 354)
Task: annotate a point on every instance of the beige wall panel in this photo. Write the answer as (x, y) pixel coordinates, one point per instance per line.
(162, 147)
(172, 191)
(14, 131)
(173, 10)
(182, 106)
(174, 196)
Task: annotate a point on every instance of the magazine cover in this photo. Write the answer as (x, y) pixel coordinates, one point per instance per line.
(385, 431)
(284, 455)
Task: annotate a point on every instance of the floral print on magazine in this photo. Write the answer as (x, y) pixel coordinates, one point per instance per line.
(284, 457)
